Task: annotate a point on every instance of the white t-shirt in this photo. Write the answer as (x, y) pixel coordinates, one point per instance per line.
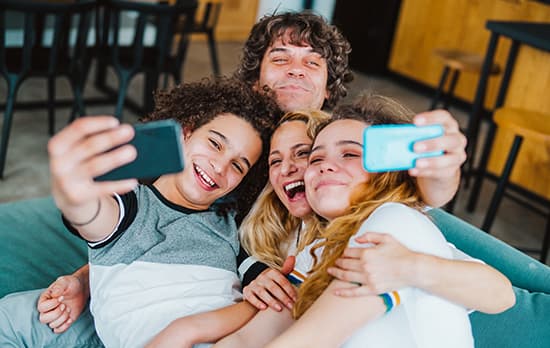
(422, 320)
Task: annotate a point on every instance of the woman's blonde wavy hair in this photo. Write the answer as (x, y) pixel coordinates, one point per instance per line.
(266, 230)
(381, 188)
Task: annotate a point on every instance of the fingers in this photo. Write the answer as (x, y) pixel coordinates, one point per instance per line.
(271, 288)
(63, 327)
(52, 315)
(371, 237)
(452, 143)
(85, 149)
(61, 319)
(46, 305)
(68, 137)
(288, 265)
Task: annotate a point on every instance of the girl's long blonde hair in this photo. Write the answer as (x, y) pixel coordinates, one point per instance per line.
(381, 188)
(266, 230)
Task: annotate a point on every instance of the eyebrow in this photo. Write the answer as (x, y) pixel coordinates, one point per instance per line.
(339, 143)
(292, 148)
(284, 49)
(226, 141)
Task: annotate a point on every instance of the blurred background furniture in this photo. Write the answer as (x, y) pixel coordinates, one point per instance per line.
(523, 124)
(209, 13)
(531, 34)
(456, 61)
(142, 37)
(49, 40)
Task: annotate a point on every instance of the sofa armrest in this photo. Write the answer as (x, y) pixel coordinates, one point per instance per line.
(522, 270)
(35, 246)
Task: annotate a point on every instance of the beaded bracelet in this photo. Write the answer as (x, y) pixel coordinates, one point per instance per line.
(391, 300)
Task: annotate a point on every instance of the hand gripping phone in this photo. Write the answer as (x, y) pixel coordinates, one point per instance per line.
(390, 147)
(159, 151)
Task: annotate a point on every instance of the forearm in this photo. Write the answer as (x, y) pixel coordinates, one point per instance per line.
(331, 319)
(213, 325)
(264, 327)
(436, 192)
(470, 284)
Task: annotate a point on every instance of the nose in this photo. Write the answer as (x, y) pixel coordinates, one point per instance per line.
(327, 166)
(296, 70)
(288, 167)
(218, 166)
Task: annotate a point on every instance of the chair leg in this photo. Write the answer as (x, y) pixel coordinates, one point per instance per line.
(151, 83)
(78, 104)
(51, 105)
(501, 186)
(122, 89)
(479, 173)
(213, 52)
(450, 93)
(440, 87)
(546, 241)
(6, 126)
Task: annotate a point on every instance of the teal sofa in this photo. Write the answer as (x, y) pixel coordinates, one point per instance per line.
(36, 248)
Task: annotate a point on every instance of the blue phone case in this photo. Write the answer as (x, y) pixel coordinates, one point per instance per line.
(390, 147)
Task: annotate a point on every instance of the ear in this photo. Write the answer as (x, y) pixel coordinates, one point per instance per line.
(186, 132)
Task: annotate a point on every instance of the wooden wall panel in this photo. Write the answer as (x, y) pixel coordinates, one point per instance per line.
(424, 25)
(236, 19)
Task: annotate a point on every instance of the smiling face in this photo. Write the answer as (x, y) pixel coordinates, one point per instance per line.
(218, 155)
(290, 146)
(297, 75)
(335, 168)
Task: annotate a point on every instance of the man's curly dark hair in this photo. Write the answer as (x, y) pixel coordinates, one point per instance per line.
(304, 28)
(195, 104)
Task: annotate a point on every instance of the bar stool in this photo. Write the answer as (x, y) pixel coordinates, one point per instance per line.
(524, 124)
(207, 25)
(455, 61)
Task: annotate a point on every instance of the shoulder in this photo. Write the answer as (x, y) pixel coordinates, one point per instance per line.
(409, 226)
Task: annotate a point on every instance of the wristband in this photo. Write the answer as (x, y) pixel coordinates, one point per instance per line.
(391, 300)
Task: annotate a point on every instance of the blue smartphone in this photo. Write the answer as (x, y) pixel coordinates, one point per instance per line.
(390, 147)
(159, 151)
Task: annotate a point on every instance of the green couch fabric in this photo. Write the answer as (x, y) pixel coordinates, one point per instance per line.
(36, 249)
(522, 270)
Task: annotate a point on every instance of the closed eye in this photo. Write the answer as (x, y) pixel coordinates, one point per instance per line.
(238, 167)
(215, 144)
(274, 162)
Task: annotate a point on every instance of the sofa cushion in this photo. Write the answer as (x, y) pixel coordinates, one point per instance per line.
(35, 247)
(522, 270)
(524, 325)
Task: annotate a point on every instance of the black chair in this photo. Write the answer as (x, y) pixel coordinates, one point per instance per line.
(46, 50)
(206, 25)
(163, 53)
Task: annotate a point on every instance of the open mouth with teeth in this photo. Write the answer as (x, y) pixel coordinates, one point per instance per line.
(295, 190)
(206, 180)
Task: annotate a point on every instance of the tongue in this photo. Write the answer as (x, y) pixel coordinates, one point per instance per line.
(295, 191)
(298, 195)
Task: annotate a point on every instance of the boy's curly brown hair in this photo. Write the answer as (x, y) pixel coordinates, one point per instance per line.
(195, 104)
(304, 28)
